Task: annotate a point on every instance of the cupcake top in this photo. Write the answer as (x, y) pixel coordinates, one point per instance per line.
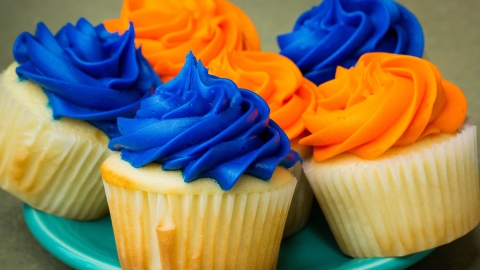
(167, 30)
(386, 100)
(337, 32)
(276, 79)
(206, 127)
(86, 72)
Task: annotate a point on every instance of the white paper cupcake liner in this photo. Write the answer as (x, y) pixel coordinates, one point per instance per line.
(301, 205)
(229, 231)
(302, 200)
(406, 202)
(52, 165)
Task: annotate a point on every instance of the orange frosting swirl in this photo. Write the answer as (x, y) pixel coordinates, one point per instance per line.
(385, 100)
(273, 77)
(167, 30)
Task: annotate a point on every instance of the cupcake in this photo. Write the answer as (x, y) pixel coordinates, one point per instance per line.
(197, 183)
(168, 30)
(394, 167)
(288, 94)
(337, 32)
(59, 104)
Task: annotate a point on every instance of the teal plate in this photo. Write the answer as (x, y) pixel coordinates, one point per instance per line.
(91, 245)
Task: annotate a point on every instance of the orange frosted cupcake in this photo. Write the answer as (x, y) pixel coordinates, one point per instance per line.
(168, 30)
(278, 81)
(394, 165)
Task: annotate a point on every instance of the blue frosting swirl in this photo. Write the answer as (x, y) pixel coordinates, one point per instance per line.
(337, 32)
(207, 127)
(87, 72)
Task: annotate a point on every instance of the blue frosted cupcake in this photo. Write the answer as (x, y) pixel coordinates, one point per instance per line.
(337, 32)
(59, 105)
(200, 180)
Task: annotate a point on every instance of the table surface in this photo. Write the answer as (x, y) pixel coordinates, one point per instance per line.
(452, 37)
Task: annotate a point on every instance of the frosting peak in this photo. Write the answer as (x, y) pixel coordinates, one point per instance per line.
(385, 100)
(167, 30)
(206, 127)
(276, 79)
(337, 32)
(86, 72)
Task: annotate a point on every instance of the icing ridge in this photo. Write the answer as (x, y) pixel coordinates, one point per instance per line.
(167, 30)
(337, 32)
(386, 100)
(207, 127)
(86, 72)
(273, 77)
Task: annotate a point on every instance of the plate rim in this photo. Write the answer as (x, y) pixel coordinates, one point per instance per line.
(61, 250)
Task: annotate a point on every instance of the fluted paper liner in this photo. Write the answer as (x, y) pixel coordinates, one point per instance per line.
(178, 230)
(406, 202)
(301, 205)
(52, 165)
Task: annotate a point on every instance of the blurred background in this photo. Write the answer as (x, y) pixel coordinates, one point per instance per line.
(452, 42)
